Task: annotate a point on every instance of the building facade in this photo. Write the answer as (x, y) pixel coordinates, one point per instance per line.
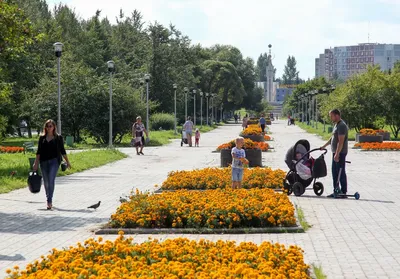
(345, 61)
(282, 92)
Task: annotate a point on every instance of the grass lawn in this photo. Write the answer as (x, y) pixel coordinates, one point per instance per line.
(19, 163)
(157, 138)
(320, 130)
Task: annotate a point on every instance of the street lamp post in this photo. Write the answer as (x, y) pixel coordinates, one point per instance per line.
(175, 87)
(186, 90)
(201, 108)
(207, 109)
(316, 108)
(221, 113)
(327, 91)
(110, 66)
(306, 112)
(310, 109)
(147, 79)
(212, 108)
(58, 50)
(194, 107)
(302, 108)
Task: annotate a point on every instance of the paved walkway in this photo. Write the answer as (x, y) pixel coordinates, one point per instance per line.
(348, 238)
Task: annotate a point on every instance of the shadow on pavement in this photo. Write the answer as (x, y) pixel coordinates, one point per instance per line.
(17, 257)
(73, 210)
(25, 223)
(348, 199)
(20, 201)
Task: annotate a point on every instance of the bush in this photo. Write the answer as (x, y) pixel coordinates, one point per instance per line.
(164, 121)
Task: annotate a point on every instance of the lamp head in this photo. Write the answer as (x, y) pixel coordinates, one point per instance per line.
(58, 49)
(186, 90)
(110, 66)
(175, 86)
(147, 77)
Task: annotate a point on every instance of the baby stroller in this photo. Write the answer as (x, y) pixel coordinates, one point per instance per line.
(184, 138)
(293, 182)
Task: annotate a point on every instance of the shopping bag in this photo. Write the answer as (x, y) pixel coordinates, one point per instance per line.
(303, 171)
(34, 182)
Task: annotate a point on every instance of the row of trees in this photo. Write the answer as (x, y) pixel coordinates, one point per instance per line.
(28, 88)
(368, 100)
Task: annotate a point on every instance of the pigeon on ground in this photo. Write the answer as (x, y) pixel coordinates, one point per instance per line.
(95, 206)
(122, 200)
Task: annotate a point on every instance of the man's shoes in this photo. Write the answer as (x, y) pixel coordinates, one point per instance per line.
(331, 195)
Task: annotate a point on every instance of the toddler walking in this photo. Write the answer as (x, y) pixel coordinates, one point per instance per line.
(197, 138)
(238, 160)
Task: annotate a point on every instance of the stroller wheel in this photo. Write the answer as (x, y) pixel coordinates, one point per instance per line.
(287, 188)
(357, 196)
(298, 189)
(181, 143)
(318, 188)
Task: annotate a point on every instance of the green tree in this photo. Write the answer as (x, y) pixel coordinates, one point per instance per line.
(290, 73)
(359, 99)
(390, 98)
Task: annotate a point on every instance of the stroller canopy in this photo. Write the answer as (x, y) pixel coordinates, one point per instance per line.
(302, 146)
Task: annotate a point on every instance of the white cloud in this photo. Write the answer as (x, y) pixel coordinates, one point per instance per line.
(300, 28)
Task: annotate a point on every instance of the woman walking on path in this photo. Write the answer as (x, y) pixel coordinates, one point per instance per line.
(262, 124)
(188, 128)
(49, 155)
(137, 133)
(244, 124)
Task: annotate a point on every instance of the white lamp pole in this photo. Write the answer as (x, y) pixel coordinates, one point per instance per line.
(207, 109)
(110, 65)
(201, 108)
(194, 107)
(58, 50)
(175, 87)
(186, 90)
(147, 79)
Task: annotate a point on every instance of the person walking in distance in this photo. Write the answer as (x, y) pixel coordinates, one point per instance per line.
(244, 123)
(197, 138)
(262, 124)
(188, 128)
(138, 131)
(339, 143)
(49, 155)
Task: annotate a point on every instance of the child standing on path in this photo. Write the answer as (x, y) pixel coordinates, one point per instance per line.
(238, 160)
(197, 138)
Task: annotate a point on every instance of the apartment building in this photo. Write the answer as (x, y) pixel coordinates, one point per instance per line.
(344, 61)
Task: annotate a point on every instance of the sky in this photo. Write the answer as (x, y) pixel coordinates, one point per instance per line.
(299, 28)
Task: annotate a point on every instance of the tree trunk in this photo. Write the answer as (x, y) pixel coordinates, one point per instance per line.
(28, 126)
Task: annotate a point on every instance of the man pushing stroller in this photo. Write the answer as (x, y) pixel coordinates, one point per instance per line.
(339, 143)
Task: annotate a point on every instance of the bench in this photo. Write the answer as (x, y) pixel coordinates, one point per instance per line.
(29, 147)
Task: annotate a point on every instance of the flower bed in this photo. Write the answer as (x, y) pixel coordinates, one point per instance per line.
(368, 132)
(251, 130)
(213, 178)
(384, 146)
(220, 208)
(248, 144)
(267, 138)
(172, 258)
(11, 149)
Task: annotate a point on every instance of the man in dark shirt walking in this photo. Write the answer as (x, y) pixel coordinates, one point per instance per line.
(339, 143)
